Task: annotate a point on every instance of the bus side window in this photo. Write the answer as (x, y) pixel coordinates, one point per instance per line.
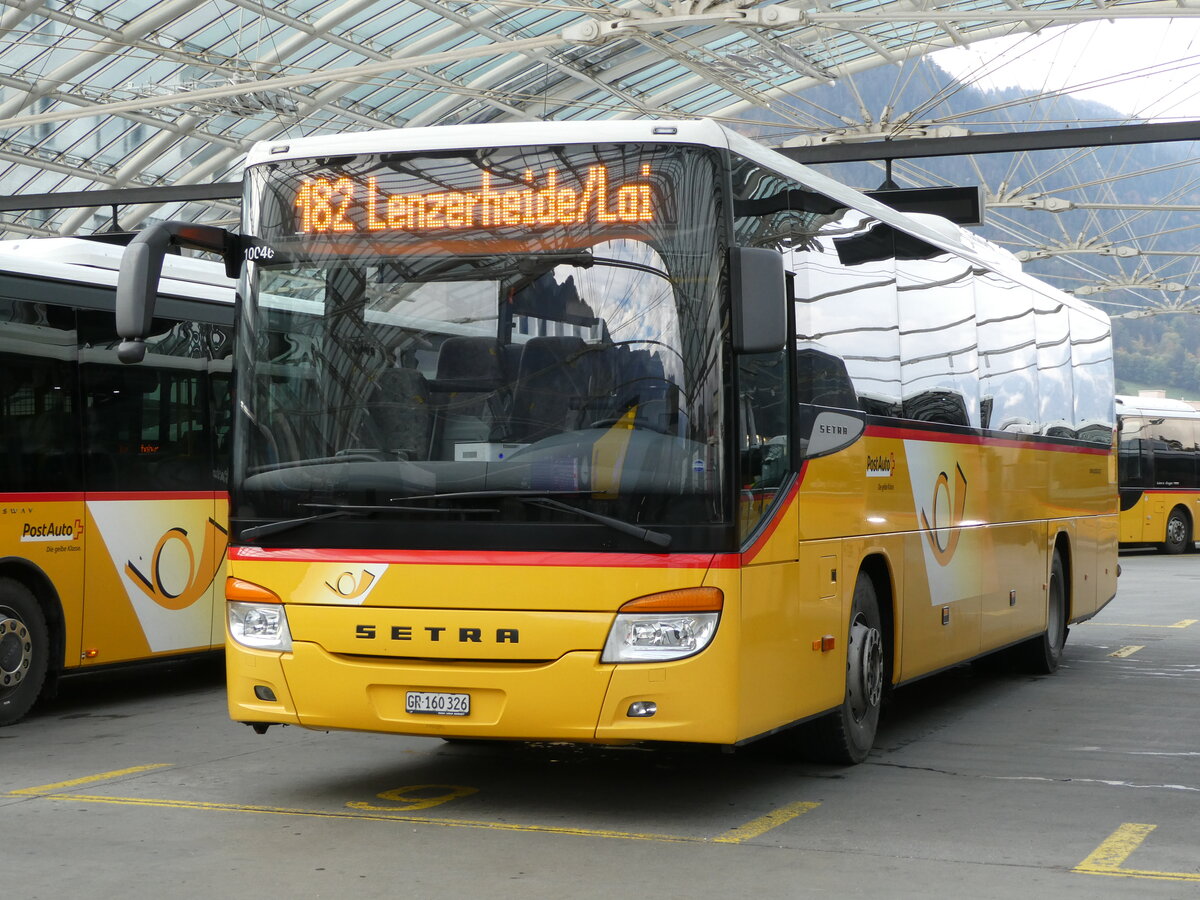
(1174, 452)
(764, 444)
(1132, 460)
(38, 399)
(822, 380)
(146, 427)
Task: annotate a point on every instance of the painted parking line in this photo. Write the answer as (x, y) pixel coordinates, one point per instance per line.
(763, 824)
(1110, 856)
(1127, 651)
(87, 779)
(409, 798)
(1182, 623)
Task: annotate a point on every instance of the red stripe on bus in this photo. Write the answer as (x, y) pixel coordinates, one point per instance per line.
(157, 495)
(945, 437)
(63, 497)
(491, 558)
(76, 496)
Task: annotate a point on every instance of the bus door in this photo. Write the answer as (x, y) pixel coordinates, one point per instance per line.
(1135, 473)
(41, 497)
(158, 529)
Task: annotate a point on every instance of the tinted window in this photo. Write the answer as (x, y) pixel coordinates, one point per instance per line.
(937, 340)
(38, 412)
(1091, 355)
(1135, 464)
(764, 443)
(146, 427)
(846, 309)
(1055, 384)
(1173, 442)
(1008, 374)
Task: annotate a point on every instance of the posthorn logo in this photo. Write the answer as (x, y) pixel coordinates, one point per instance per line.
(177, 576)
(351, 586)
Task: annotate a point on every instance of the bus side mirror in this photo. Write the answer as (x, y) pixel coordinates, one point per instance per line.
(141, 269)
(758, 286)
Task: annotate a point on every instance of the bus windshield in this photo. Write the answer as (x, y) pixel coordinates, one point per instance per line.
(444, 344)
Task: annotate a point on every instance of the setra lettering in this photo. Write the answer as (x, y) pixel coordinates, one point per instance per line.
(368, 632)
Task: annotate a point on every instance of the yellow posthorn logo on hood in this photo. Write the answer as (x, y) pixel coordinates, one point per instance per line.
(350, 587)
(198, 578)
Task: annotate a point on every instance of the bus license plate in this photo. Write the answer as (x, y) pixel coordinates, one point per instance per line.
(437, 704)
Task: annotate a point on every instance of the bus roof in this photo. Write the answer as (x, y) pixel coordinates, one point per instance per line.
(1154, 406)
(703, 132)
(96, 262)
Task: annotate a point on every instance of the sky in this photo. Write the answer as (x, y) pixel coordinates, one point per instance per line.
(1165, 54)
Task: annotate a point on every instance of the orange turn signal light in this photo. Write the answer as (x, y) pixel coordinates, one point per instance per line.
(248, 591)
(699, 599)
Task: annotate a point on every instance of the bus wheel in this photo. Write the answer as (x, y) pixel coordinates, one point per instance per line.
(1044, 653)
(1179, 532)
(847, 735)
(24, 650)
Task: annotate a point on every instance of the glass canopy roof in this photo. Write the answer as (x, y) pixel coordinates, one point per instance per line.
(130, 93)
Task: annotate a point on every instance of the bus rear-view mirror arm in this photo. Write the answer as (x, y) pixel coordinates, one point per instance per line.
(758, 286)
(141, 268)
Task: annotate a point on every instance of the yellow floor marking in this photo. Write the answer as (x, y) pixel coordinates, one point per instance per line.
(89, 779)
(373, 817)
(765, 823)
(1182, 623)
(1128, 651)
(1107, 859)
(1118, 848)
(737, 835)
(403, 799)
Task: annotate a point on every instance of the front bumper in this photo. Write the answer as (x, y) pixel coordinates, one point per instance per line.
(572, 698)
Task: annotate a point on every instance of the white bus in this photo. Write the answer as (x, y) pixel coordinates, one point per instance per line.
(1159, 454)
(113, 500)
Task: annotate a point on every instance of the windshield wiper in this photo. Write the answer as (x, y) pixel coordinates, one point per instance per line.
(353, 456)
(336, 510)
(658, 538)
(257, 531)
(545, 499)
(487, 495)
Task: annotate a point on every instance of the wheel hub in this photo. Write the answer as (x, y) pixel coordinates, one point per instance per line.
(16, 651)
(1176, 530)
(865, 669)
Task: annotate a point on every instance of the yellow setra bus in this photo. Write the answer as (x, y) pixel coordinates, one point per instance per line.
(113, 500)
(637, 432)
(1158, 453)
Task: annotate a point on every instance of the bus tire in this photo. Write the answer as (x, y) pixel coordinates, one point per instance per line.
(1043, 654)
(1179, 532)
(845, 737)
(24, 650)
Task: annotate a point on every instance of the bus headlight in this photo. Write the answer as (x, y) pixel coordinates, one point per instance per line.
(666, 626)
(259, 625)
